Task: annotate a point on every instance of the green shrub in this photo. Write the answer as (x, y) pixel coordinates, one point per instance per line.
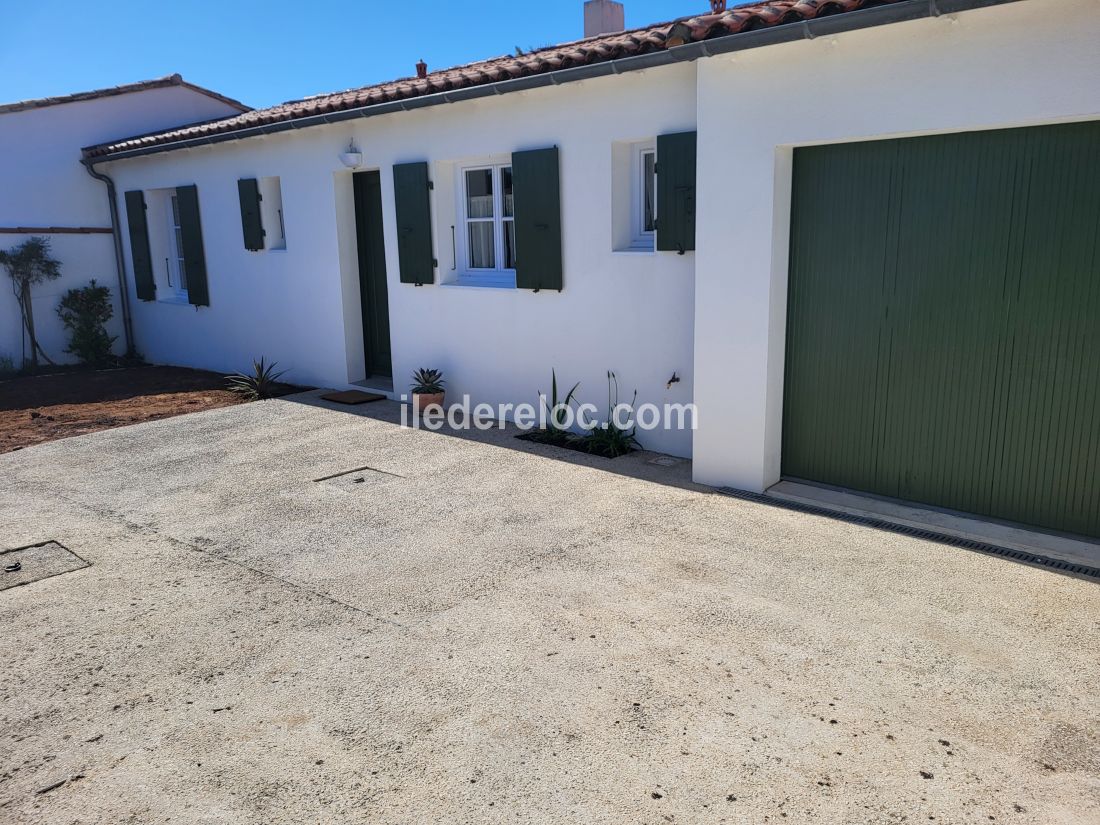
(85, 313)
(7, 366)
(556, 411)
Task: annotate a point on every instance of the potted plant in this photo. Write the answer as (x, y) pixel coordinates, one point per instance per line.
(427, 389)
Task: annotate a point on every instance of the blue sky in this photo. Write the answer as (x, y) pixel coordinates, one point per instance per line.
(267, 52)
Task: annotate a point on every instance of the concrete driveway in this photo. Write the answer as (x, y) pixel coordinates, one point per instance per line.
(491, 631)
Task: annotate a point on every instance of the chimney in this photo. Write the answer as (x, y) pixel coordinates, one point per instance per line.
(421, 69)
(603, 17)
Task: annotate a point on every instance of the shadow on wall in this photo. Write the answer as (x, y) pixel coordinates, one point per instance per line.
(670, 471)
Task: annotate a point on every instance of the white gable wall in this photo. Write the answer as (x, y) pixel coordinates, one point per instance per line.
(44, 185)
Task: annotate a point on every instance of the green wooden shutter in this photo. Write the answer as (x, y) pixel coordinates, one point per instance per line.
(676, 192)
(139, 246)
(414, 223)
(536, 194)
(193, 258)
(251, 222)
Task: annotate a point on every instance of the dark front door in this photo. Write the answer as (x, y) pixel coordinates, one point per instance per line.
(372, 273)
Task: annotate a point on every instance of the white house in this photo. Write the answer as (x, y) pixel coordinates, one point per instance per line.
(46, 192)
(863, 235)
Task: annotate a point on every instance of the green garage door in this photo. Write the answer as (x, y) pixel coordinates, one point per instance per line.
(943, 331)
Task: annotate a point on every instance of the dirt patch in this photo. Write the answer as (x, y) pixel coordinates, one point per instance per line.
(48, 407)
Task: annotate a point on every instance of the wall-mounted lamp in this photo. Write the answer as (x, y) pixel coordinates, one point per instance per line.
(352, 158)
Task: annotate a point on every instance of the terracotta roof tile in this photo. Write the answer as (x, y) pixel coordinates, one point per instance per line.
(658, 37)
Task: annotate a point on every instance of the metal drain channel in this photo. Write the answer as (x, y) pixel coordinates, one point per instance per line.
(917, 532)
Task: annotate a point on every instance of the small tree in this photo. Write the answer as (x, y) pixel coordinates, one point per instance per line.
(28, 265)
(85, 312)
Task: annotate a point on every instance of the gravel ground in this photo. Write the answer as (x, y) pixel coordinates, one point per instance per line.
(486, 630)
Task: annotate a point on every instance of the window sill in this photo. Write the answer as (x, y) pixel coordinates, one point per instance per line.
(634, 251)
(174, 299)
(483, 282)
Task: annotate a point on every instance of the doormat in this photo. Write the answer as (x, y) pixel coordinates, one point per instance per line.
(36, 562)
(353, 397)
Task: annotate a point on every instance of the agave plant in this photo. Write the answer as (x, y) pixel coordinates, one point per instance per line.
(260, 384)
(608, 439)
(611, 442)
(427, 382)
(556, 412)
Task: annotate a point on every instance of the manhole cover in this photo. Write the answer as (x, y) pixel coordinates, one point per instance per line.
(24, 565)
(357, 478)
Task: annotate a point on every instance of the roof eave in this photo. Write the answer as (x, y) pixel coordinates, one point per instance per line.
(688, 52)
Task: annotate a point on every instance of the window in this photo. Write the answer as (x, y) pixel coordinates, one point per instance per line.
(175, 265)
(644, 196)
(488, 218)
(634, 196)
(271, 207)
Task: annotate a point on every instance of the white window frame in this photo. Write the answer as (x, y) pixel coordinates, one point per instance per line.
(640, 237)
(499, 275)
(176, 275)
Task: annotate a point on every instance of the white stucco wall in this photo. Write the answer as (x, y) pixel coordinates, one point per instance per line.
(1021, 64)
(717, 317)
(631, 313)
(44, 185)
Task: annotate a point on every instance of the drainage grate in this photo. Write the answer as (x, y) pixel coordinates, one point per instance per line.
(918, 532)
(36, 562)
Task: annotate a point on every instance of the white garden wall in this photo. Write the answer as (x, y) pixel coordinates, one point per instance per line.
(628, 312)
(44, 185)
(1020, 64)
(82, 257)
